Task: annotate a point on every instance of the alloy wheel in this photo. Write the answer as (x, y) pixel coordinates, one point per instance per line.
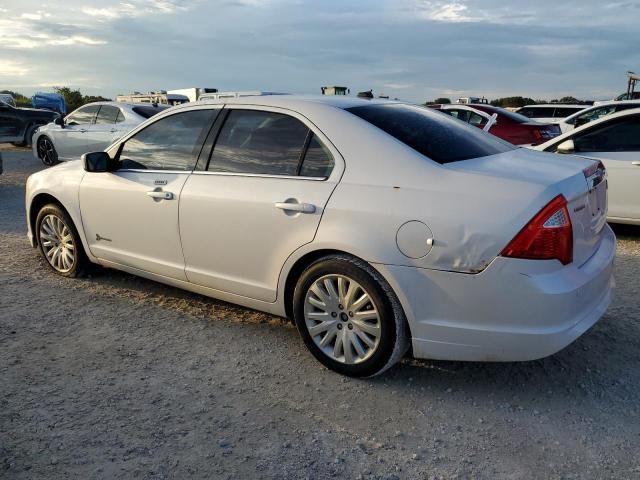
(57, 243)
(342, 319)
(47, 152)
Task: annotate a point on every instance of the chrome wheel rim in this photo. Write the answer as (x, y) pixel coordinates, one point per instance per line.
(57, 243)
(46, 151)
(342, 319)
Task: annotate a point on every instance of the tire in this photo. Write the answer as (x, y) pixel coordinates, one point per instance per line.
(358, 327)
(28, 136)
(47, 151)
(55, 230)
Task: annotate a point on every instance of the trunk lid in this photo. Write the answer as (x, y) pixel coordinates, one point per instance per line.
(582, 181)
(588, 213)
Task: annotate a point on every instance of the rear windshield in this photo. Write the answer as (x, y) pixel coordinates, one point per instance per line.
(148, 111)
(436, 136)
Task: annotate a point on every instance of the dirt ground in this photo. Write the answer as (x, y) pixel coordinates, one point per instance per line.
(113, 376)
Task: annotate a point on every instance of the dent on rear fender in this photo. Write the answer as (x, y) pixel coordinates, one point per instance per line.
(472, 254)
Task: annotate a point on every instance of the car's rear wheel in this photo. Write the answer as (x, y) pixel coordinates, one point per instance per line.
(349, 317)
(59, 242)
(46, 151)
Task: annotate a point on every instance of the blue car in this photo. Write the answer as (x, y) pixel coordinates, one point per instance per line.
(50, 101)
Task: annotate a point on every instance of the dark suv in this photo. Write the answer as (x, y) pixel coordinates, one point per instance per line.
(17, 125)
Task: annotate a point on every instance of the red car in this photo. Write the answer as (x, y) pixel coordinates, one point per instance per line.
(509, 126)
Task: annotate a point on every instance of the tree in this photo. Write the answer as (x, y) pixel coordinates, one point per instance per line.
(21, 100)
(442, 100)
(513, 102)
(72, 98)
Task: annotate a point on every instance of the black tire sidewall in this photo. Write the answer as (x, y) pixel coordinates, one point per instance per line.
(80, 260)
(328, 266)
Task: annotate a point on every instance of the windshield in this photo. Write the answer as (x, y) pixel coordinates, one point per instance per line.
(431, 133)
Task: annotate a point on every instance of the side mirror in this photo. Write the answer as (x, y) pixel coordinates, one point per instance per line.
(59, 121)
(98, 162)
(566, 147)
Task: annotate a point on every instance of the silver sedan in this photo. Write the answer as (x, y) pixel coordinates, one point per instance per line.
(90, 128)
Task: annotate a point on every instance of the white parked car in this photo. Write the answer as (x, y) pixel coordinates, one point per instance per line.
(89, 128)
(615, 141)
(550, 112)
(594, 113)
(375, 225)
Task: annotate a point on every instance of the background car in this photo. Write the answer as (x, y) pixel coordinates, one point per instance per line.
(17, 125)
(91, 127)
(549, 113)
(8, 99)
(509, 126)
(50, 101)
(615, 141)
(372, 224)
(594, 113)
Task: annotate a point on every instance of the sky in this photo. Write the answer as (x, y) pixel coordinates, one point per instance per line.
(415, 50)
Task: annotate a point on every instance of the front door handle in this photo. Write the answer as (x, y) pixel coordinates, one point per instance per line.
(296, 207)
(83, 130)
(637, 164)
(160, 195)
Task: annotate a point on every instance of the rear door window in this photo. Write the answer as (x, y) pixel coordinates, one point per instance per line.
(260, 142)
(318, 161)
(107, 114)
(436, 136)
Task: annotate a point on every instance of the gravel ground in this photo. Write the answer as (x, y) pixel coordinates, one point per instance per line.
(113, 376)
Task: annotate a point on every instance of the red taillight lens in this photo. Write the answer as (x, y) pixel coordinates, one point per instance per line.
(547, 236)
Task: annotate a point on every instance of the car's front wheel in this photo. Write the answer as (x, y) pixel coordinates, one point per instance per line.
(59, 241)
(349, 317)
(46, 151)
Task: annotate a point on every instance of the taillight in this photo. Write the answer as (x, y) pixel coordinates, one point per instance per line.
(547, 236)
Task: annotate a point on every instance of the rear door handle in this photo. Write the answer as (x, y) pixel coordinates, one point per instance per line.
(637, 164)
(160, 195)
(296, 207)
(83, 130)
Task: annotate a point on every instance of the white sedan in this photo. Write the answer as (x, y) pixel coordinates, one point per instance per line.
(615, 141)
(92, 127)
(374, 225)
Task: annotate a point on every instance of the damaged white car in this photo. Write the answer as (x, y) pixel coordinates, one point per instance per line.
(374, 225)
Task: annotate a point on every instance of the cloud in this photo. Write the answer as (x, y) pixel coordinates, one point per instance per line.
(398, 86)
(418, 49)
(10, 68)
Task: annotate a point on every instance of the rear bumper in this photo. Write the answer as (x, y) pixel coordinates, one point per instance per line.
(514, 310)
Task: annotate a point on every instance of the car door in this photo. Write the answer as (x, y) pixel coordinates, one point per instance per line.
(71, 141)
(130, 216)
(617, 145)
(104, 131)
(270, 175)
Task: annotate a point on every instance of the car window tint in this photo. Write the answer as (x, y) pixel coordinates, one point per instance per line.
(537, 112)
(168, 144)
(622, 135)
(318, 161)
(107, 114)
(564, 112)
(435, 136)
(83, 116)
(259, 142)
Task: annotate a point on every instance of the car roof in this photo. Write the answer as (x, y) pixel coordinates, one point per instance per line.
(553, 105)
(293, 101)
(605, 119)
